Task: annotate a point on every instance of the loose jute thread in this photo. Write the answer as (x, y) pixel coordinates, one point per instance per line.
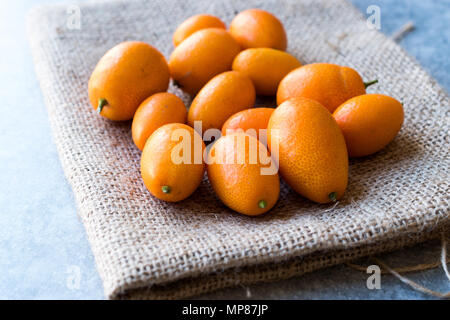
(403, 31)
(444, 257)
(420, 267)
(97, 155)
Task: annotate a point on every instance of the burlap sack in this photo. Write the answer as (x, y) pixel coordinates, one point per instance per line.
(145, 248)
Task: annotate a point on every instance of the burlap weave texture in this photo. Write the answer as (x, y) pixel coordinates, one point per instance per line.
(145, 248)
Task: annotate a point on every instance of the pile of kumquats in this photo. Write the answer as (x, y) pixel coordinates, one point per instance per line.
(323, 114)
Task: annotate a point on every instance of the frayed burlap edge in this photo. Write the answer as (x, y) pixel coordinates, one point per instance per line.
(185, 287)
(270, 272)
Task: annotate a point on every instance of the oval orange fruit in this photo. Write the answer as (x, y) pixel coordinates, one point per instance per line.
(155, 111)
(369, 122)
(329, 84)
(240, 184)
(125, 76)
(196, 23)
(200, 57)
(250, 121)
(266, 67)
(311, 149)
(172, 164)
(223, 96)
(256, 28)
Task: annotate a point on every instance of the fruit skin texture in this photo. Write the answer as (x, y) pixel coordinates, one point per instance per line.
(200, 57)
(256, 28)
(255, 118)
(266, 67)
(196, 23)
(160, 173)
(241, 186)
(155, 111)
(125, 76)
(369, 122)
(223, 96)
(329, 84)
(313, 157)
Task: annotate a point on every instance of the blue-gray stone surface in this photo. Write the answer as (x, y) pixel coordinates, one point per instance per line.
(44, 253)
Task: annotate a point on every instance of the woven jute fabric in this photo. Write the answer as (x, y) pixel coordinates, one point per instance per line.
(145, 248)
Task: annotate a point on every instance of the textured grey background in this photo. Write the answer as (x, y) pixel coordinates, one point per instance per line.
(42, 242)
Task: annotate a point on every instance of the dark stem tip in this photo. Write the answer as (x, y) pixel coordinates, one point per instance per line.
(101, 104)
(333, 196)
(369, 83)
(166, 189)
(262, 204)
